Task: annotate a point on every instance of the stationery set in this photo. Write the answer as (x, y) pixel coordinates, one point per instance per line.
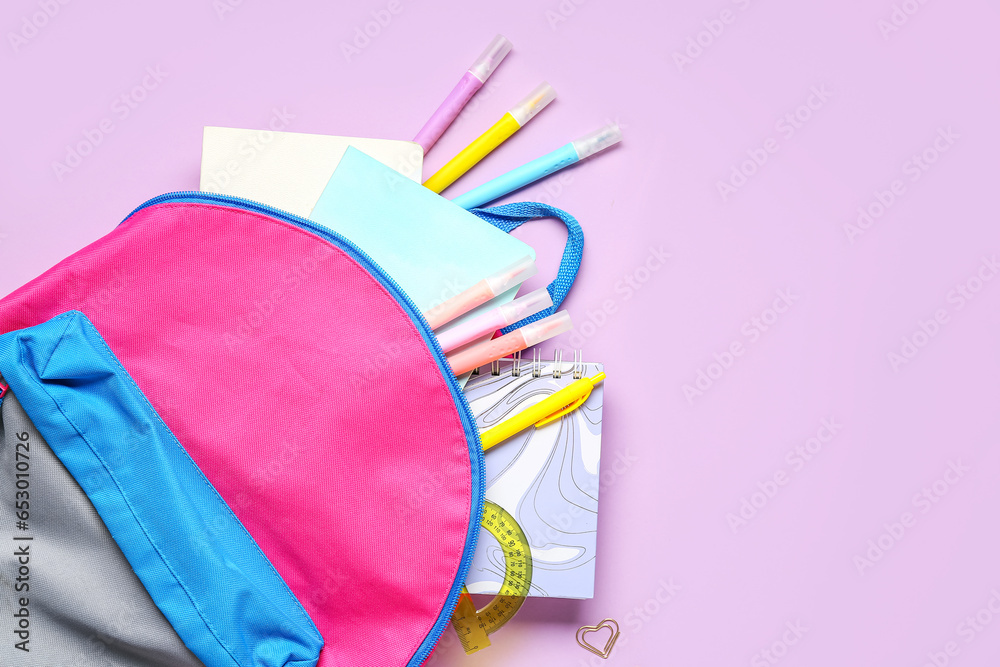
(299, 431)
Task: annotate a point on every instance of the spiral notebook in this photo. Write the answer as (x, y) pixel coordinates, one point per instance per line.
(548, 478)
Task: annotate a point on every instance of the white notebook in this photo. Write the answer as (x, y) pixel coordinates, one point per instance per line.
(289, 170)
(548, 478)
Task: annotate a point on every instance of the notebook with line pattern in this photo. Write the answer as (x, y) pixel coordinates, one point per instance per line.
(548, 478)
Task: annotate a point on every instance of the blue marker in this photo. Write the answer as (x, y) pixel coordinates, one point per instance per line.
(561, 158)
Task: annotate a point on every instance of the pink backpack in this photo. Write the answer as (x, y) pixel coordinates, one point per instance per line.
(268, 347)
(221, 380)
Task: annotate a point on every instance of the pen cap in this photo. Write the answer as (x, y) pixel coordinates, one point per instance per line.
(526, 306)
(513, 275)
(491, 58)
(551, 326)
(597, 141)
(533, 103)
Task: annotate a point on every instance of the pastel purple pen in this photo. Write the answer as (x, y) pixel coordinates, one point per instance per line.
(498, 318)
(467, 86)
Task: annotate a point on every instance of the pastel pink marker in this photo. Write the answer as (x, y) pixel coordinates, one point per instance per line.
(481, 354)
(467, 86)
(498, 318)
(481, 292)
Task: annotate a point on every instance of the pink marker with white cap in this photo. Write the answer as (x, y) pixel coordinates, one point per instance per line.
(475, 356)
(498, 318)
(481, 292)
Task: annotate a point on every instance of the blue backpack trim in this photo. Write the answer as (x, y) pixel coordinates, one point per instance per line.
(196, 560)
(511, 216)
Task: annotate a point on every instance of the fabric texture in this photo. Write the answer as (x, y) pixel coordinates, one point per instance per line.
(59, 562)
(194, 558)
(509, 217)
(307, 389)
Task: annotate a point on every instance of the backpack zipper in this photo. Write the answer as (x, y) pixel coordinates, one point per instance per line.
(465, 413)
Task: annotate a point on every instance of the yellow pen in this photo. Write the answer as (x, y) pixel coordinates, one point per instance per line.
(502, 130)
(544, 412)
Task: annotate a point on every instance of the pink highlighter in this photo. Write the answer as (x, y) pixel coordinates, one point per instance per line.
(475, 356)
(467, 86)
(498, 318)
(481, 292)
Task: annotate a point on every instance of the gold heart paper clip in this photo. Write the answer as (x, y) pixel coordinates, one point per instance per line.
(609, 623)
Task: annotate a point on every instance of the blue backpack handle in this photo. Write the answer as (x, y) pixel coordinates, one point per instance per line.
(511, 216)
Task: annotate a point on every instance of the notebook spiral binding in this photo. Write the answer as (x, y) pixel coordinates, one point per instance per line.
(517, 365)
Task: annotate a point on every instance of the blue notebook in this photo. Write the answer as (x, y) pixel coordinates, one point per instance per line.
(433, 248)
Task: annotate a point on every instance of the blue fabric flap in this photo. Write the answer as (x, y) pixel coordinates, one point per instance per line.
(200, 566)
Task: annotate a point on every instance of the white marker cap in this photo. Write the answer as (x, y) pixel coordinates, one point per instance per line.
(550, 327)
(491, 58)
(513, 275)
(597, 141)
(526, 306)
(533, 103)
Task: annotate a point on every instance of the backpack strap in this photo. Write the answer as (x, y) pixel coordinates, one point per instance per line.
(511, 216)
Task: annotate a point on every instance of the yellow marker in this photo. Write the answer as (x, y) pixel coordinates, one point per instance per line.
(544, 412)
(511, 122)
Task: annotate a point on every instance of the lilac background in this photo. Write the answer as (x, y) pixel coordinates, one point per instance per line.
(664, 517)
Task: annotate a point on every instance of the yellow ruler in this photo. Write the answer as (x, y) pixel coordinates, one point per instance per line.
(474, 626)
